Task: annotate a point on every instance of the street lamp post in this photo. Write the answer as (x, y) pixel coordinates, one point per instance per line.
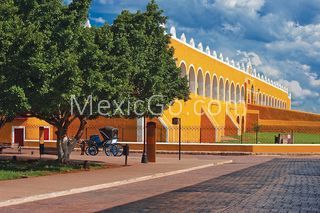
(144, 158)
(177, 121)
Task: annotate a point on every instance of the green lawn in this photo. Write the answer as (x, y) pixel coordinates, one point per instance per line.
(268, 138)
(22, 169)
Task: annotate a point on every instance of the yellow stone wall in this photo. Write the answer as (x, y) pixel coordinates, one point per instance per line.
(224, 102)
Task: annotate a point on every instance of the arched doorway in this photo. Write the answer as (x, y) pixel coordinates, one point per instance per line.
(208, 85)
(192, 80)
(227, 91)
(215, 88)
(221, 90)
(252, 96)
(200, 82)
(243, 95)
(183, 70)
(238, 95)
(233, 93)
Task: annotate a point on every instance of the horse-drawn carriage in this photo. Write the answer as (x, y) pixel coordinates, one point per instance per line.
(109, 144)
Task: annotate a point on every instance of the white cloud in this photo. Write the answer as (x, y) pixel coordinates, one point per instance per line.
(312, 76)
(252, 56)
(231, 28)
(106, 1)
(270, 71)
(98, 20)
(297, 91)
(248, 5)
(297, 40)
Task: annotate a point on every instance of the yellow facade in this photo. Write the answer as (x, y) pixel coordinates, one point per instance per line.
(220, 91)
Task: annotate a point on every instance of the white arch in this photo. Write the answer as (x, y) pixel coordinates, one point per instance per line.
(183, 68)
(269, 100)
(238, 94)
(227, 91)
(252, 95)
(215, 87)
(207, 85)
(200, 84)
(192, 80)
(232, 93)
(242, 94)
(221, 89)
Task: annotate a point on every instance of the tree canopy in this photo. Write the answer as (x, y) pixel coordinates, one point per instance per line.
(50, 58)
(141, 38)
(13, 100)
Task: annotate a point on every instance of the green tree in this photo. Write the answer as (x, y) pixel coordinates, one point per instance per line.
(140, 40)
(54, 59)
(13, 100)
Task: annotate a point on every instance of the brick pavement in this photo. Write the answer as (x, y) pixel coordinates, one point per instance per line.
(250, 184)
(115, 196)
(280, 185)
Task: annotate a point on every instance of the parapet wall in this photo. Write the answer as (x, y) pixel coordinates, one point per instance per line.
(268, 113)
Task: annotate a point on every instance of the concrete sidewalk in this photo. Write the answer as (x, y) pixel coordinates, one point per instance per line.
(166, 165)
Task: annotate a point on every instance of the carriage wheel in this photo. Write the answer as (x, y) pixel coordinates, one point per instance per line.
(106, 149)
(120, 150)
(114, 149)
(92, 150)
(87, 151)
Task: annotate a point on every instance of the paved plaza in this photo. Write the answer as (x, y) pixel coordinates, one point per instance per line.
(248, 184)
(280, 185)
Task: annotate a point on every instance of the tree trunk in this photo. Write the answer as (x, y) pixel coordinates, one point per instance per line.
(60, 135)
(65, 146)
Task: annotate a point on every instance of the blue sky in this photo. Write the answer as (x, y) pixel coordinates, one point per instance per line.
(282, 38)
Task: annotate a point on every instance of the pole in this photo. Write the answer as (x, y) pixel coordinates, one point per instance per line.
(144, 154)
(179, 139)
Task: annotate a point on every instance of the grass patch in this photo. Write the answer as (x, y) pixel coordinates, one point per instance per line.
(268, 138)
(31, 168)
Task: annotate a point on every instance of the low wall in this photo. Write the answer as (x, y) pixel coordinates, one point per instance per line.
(244, 148)
(228, 148)
(269, 113)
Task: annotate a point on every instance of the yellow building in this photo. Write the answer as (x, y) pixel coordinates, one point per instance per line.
(227, 99)
(220, 93)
